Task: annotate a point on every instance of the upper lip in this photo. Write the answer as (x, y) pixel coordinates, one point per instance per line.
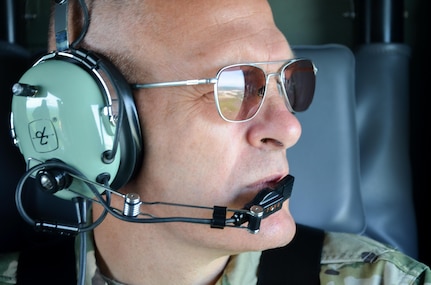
(269, 181)
(251, 190)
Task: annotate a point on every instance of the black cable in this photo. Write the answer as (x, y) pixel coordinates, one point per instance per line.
(109, 155)
(81, 212)
(82, 268)
(104, 202)
(67, 228)
(85, 25)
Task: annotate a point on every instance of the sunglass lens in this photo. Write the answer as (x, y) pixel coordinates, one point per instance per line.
(240, 91)
(299, 82)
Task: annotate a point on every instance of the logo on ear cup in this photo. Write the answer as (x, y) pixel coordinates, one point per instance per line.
(70, 118)
(43, 135)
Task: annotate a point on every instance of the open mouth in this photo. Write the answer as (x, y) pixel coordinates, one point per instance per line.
(267, 202)
(272, 196)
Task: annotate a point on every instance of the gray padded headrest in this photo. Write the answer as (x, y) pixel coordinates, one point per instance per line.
(325, 161)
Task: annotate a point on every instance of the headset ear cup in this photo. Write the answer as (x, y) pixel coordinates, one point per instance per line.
(130, 130)
(75, 107)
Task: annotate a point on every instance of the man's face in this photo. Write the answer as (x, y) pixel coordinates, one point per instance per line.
(191, 154)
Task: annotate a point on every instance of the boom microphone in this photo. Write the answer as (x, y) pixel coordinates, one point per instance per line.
(54, 176)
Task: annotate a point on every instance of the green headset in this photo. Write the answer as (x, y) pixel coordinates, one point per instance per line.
(75, 107)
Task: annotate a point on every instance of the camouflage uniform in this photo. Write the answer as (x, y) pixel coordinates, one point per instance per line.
(346, 259)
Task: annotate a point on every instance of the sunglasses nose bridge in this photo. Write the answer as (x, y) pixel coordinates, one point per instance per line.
(277, 77)
(280, 88)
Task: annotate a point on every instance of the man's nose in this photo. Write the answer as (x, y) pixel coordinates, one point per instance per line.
(275, 126)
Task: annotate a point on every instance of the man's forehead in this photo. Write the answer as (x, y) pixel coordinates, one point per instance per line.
(199, 37)
(211, 29)
(203, 7)
(203, 58)
(197, 14)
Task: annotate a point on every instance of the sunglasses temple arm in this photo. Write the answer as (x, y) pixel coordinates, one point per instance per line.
(175, 83)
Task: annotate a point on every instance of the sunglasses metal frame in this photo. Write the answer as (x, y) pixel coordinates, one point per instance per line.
(214, 80)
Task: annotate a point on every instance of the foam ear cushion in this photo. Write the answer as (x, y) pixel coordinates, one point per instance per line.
(79, 107)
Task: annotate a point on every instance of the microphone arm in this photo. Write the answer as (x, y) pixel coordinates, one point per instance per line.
(267, 202)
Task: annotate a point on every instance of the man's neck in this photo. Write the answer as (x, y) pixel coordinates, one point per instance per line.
(129, 255)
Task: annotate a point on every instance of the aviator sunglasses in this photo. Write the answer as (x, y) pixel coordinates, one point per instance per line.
(239, 89)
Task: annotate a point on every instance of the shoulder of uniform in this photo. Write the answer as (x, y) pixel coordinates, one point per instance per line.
(359, 257)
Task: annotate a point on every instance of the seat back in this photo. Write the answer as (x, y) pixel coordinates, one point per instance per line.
(382, 91)
(326, 161)
(351, 162)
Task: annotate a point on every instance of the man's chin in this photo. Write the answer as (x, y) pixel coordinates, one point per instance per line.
(279, 229)
(276, 230)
